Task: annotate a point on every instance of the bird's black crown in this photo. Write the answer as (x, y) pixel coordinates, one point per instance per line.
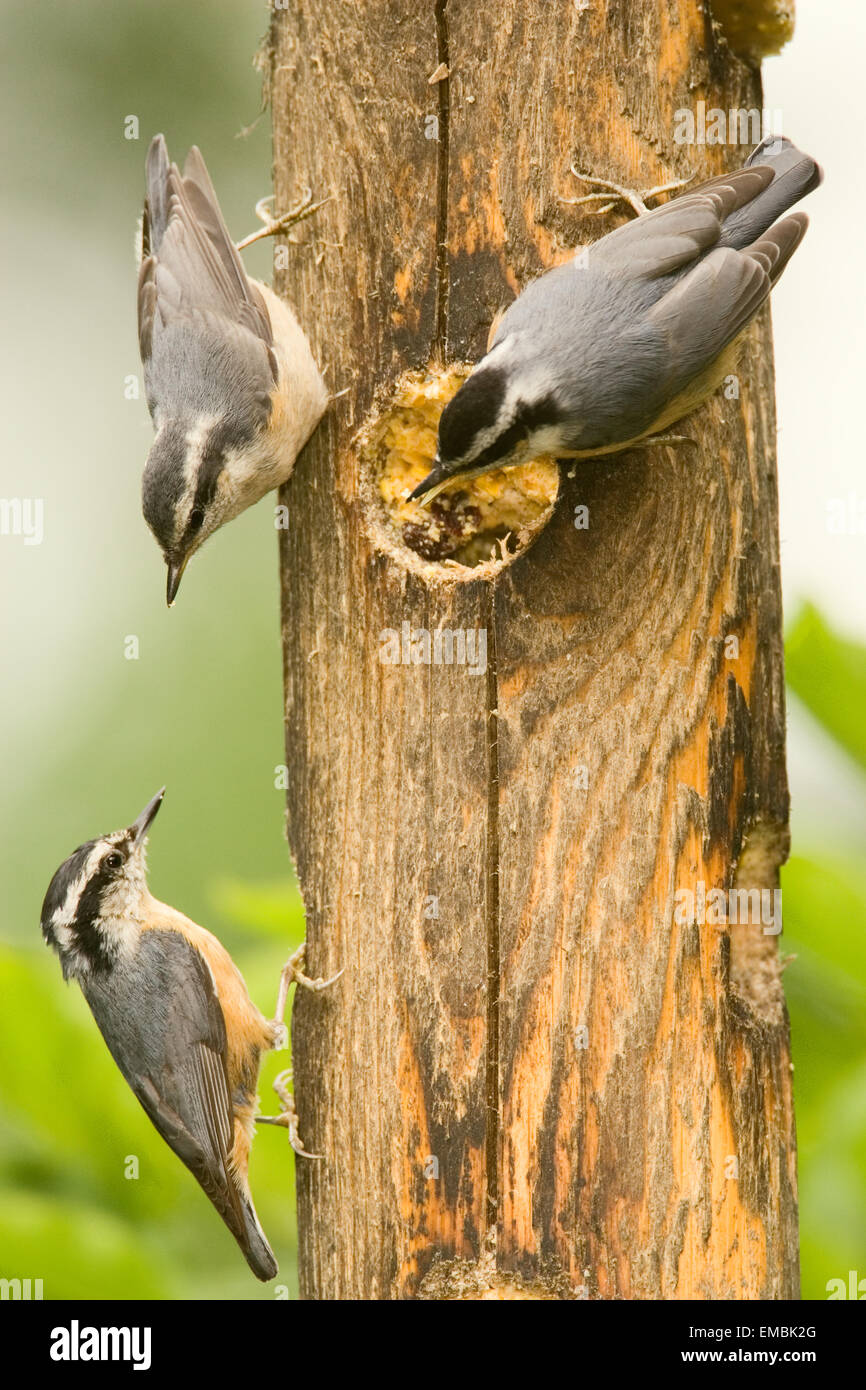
(476, 407)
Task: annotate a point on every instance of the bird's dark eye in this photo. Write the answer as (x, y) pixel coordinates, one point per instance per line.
(196, 519)
(114, 861)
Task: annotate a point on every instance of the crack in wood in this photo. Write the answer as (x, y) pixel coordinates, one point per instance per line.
(440, 350)
(443, 88)
(492, 914)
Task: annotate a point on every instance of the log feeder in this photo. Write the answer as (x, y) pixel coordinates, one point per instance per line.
(540, 1076)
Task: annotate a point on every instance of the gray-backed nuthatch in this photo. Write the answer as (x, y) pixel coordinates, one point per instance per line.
(635, 332)
(175, 1013)
(230, 379)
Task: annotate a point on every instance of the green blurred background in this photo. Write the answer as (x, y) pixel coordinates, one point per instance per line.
(90, 735)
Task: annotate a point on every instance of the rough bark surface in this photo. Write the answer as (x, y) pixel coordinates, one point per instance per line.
(531, 1081)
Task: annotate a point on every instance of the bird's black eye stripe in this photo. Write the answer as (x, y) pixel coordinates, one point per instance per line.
(89, 939)
(212, 464)
(529, 418)
(545, 411)
(514, 435)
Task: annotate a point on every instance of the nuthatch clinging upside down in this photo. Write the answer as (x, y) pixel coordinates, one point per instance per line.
(175, 1013)
(231, 383)
(635, 332)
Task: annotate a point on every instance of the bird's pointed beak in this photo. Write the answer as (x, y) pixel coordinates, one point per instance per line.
(175, 575)
(140, 827)
(431, 486)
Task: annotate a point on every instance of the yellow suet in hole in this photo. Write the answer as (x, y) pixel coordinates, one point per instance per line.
(469, 522)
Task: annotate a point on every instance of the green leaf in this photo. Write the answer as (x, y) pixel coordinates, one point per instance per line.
(828, 673)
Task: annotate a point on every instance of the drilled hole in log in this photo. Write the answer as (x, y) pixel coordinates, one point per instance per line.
(490, 518)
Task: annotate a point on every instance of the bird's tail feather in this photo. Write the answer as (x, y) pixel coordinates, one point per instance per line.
(796, 174)
(155, 208)
(253, 1242)
(774, 250)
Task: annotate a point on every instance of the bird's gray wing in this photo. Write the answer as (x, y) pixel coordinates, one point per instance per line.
(190, 262)
(712, 304)
(164, 1026)
(669, 237)
(794, 175)
(204, 365)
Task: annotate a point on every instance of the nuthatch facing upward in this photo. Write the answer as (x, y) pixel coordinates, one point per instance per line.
(230, 380)
(175, 1013)
(633, 333)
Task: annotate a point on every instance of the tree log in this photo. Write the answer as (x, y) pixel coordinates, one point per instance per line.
(539, 1076)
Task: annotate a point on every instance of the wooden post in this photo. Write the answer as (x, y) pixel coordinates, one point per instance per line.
(542, 1074)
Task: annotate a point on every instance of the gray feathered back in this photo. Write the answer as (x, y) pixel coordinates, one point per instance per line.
(620, 331)
(204, 332)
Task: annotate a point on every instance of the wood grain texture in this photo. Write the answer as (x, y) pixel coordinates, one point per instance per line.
(607, 1100)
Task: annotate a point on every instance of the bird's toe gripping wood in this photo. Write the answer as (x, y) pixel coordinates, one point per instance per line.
(293, 973)
(288, 1117)
(609, 194)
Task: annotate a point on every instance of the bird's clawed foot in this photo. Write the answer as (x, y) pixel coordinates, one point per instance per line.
(653, 439)
(288, 1117)
(294, 971)
(293, 974)
(609, 194)
(273, 226)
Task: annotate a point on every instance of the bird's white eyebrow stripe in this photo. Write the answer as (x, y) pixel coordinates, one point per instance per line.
(196, 438)
(195, 442)
(65, 915)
